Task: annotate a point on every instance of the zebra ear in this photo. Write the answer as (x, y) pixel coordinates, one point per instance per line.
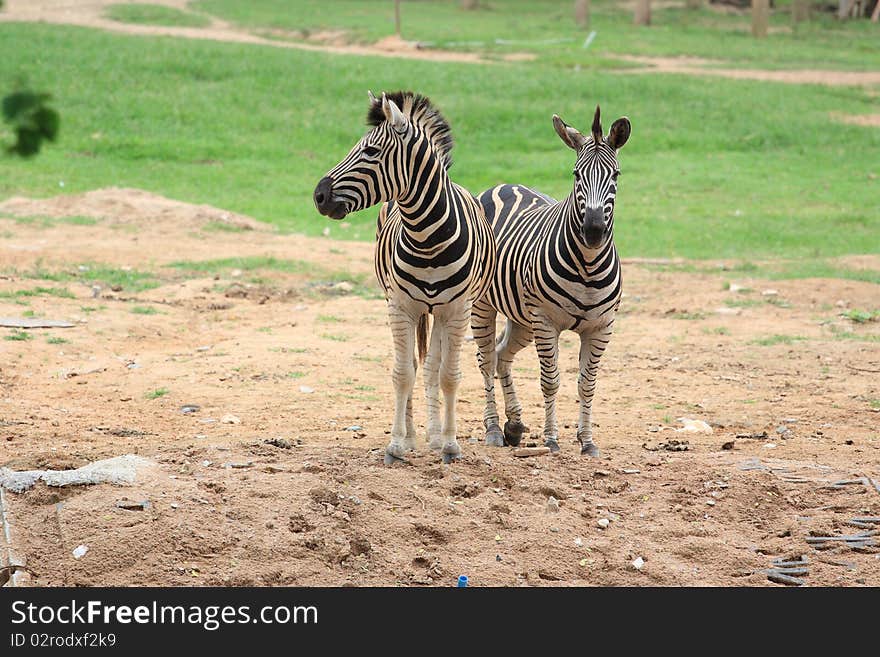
(620, 131)
(597, 128)
(570, 136)
(393, 114)
(373, 99)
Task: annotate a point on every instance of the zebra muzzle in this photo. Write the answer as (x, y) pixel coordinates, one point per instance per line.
(593, 229)
(324, 201)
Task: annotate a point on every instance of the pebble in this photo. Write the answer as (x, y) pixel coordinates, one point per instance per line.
(631, 471)
(552, 504)
(354, 427)
(638, 563)
(80, 551)
(769, 445)
(769, 293)
(174, 505)
(578, 542)
(306, 389)
(230, 419)
(603, 523)
(710, 502)
(187, 409)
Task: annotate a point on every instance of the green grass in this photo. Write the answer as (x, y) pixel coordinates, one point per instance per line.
(18, 336)
(252, 263)
(52, 339)
(328, 319)
(772, 340)
(143, 310)
(335, 337)
(862, 316)
(715, 168)
(49, 222)
(147, 14)
(130, 280)
(158, 392)
(295, 375)
(60, 292)
(688, 316)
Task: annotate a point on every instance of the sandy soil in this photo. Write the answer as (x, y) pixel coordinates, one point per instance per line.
(90, 13)
(303, 363)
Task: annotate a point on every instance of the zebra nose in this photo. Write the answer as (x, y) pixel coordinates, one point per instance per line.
(594, 226)
(323, 192)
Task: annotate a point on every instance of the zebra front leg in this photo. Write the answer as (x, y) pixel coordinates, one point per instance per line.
(453, 327)
(432, 389)
(547, 344)
(592, 348)
(483, 327)
(516, 337)
(403, 376)
(410, 441)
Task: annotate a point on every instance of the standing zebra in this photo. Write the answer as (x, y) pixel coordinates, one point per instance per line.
(557, 270)
(435, 253)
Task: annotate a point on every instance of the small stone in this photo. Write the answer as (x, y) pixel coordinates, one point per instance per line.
(603, 523)
(80, 551)
(354, 427)
(174, 505)
(578, 542)
(552, 504)
(230, 419)
(631, 471)
(306, 389)
(187, 409)
(769, 445)
(710, 502)
(638, 563)
(769, 293)
(728, 445)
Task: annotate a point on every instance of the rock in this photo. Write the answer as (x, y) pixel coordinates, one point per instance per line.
(128, 505)
(323, 495)
(306, 389)
(354, 427)
(710, 502)
(230, 419)
(769, 293)
(552, 504)
(693, 426)
(578, 542)
(80, 551)
(359, 545)
(187, 409)
(279, 442)
(525, 452)
(638, 563)
(239, 465)
(728, 445)
(603, 523)
(631, 471)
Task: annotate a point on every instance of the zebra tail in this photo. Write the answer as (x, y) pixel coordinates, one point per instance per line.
(422, 337)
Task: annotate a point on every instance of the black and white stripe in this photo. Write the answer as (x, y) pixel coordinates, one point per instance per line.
(435, 253)
(557, 270)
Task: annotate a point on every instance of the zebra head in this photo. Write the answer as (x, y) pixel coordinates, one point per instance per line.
(380, 165)
(595, 176)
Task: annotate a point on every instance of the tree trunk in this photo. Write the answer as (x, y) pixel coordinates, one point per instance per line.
(760, 17)
(582, 13)
(643, 12)
(800, 10)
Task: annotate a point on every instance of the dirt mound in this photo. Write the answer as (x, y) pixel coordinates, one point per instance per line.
(126, 206)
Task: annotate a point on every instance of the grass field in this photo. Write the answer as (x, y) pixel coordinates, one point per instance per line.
(546, 27)
(715, 167)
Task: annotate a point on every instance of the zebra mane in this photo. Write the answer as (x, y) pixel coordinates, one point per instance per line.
(419, 110)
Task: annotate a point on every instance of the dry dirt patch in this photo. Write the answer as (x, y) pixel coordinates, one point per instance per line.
(276, 477)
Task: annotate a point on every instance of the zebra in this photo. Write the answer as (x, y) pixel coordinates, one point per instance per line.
(558, 270)
(435, 253)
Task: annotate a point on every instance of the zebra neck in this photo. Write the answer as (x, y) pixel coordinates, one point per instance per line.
(428, 209)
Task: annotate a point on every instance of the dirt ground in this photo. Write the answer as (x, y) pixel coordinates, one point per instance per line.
(292, 490)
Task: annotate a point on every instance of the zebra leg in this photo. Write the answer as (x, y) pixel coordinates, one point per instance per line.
(547, 344)
(516, 337)
(410, 441)
(403, 376)
(453, 329)
(432, 388)
(592, 348)
(483, 327)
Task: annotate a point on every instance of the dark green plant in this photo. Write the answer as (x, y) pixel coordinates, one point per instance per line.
(32, 121)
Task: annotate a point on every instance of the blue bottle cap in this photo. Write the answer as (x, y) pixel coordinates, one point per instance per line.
(462, 581)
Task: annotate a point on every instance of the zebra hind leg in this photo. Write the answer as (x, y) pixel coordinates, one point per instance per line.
(454, 325)
(483, 327)
(547, 344)
(592, 348)
(432, 389)
(515, 338)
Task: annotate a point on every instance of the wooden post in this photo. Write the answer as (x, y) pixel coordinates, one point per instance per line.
(397, 17)
(582, 13)
(760, 18)
(643, 12)
(800, 10)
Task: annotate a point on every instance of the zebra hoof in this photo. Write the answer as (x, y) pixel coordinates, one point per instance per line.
(552, 444)
(590, 449)
(390, 459)
(451, 458)
(513, 432)
(494, 436)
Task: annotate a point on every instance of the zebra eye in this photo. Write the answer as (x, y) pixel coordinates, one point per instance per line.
(616, 175)
(371, 151)
(577, 174)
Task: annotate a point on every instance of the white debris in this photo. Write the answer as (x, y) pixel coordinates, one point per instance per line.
(578, 542)
(724, 310)
(736, 288)
(230, 419)
(693, 426)
(118, 470)
(769, 445)
(602, 523)
(637, 563)
(710, 502)
(769, 293)
(80, 551)
(306, 389)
